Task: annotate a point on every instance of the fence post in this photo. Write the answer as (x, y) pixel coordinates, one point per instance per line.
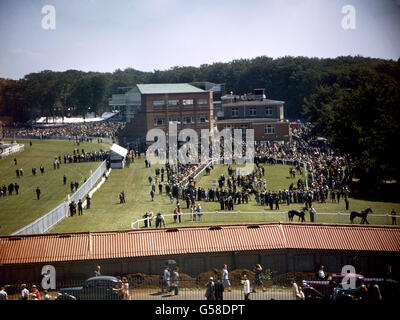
(239, 215)
(216, 216)
(338, 217)
(264, 216)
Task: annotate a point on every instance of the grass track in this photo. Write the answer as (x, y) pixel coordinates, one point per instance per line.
(16, 211)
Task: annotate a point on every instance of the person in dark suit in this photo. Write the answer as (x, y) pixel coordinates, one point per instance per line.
(219, 289)
(80, 209)
(38, 193)
(88, 202)
(16, 187)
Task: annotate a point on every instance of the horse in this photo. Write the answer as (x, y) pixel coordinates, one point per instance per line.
(299, 213)
(362, 215)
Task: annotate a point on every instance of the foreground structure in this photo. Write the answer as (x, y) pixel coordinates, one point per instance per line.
(284, 247)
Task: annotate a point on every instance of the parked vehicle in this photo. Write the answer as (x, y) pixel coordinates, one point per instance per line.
(95, 288)
(389, 289)
(324, 289)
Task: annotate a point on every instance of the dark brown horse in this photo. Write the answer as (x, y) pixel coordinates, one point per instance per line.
(363, 215)
(299, 213)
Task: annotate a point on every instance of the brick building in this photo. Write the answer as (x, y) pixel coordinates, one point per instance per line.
(149, 106)
(254, 111)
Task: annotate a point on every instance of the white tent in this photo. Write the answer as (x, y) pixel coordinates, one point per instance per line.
(117, 156)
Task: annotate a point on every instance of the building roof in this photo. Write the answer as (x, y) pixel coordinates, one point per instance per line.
(46, 248)
(164, 88)
(119, 150)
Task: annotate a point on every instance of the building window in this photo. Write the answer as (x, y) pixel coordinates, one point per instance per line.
(173, 102)
(187, 102)
(252, 111)
(159, 121)
(188, 120)
(235, 112)
(175, 120)
(268, 111)
(203, 119)
(157, 103)
(202, 101)
(269, 129)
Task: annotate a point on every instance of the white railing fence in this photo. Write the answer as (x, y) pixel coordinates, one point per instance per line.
(14, 148)
(239, 216)
(55, 216)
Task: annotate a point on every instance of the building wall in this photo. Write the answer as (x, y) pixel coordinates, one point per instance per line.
(282, 261)
(244, 110)
(282, 130)
(179, 111)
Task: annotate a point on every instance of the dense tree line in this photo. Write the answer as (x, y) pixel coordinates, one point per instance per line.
(358, 108)
(291, 79)
(354, 101)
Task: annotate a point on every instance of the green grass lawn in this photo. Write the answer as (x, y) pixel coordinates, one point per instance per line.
(107, 214)
(16, 211)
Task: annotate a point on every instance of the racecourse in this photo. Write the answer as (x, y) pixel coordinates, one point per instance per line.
(106, 213)
(16, 211)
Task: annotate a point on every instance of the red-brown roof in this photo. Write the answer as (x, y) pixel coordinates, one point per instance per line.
(225, 238)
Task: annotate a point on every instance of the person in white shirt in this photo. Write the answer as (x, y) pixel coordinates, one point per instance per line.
(46, 295)
(301, 294)
(24, 292)
(246, 287)
(321, 273)
(3, 294)
(225, 277)
(296, 290)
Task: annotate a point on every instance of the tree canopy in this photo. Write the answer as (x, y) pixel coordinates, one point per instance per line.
(354, 101)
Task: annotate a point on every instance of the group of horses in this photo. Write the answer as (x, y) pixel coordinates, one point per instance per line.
(361, 214)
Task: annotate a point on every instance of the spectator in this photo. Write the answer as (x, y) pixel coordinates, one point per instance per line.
(393, 213)
(296, 291)
(38, 193)
(24, 292)
(321, 273)
(219, 289)
(175, 281)
(36, 292)
(257, 278)
(246, 287)
(166, 279)
(46, 295)
(3, 294)
(312, 213)
(97, 272)
(210, 289)
(374, 292)
(225, 277)
(127, 295)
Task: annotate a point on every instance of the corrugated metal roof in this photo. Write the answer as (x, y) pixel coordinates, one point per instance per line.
(225, 238)
(164, 88)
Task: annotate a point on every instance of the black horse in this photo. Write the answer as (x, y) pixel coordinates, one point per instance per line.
(299, 213)
(362, 215)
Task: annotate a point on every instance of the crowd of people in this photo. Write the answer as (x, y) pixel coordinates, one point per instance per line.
(107, 129)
